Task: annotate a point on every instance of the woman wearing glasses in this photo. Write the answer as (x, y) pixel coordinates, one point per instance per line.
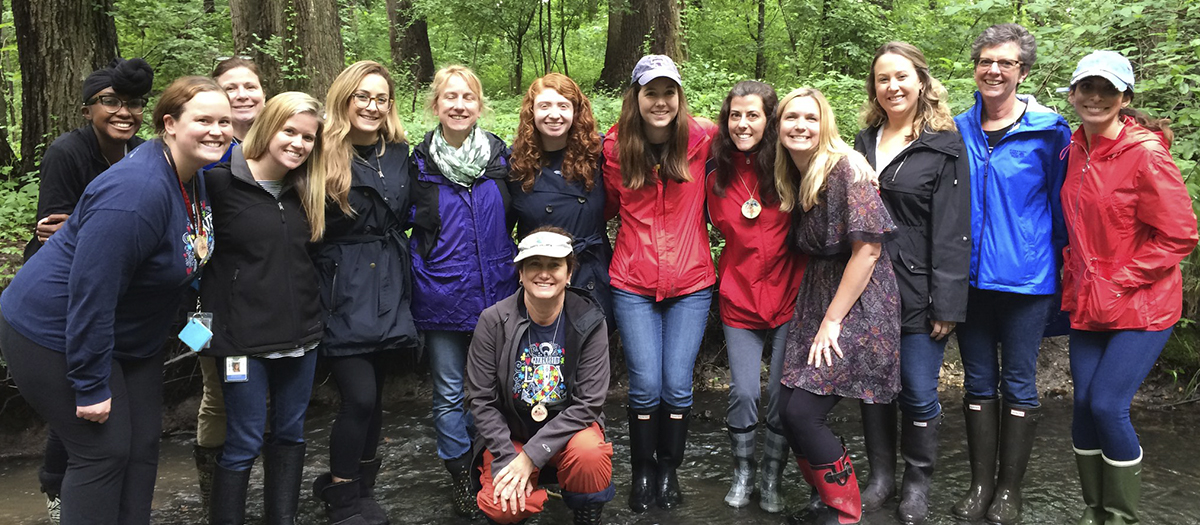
(113, 104)
(1014, 145)
(365, 284)
(462, 253)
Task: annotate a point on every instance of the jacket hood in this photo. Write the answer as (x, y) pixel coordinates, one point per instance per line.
(696, 136)
(1036, 118)
(1130, 136)
(946, 142)
(582, 310)
(497, 146)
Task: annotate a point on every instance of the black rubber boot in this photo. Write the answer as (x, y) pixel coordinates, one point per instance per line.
(643, 439)
(460, 475)
(228, 503)
(371, 510)
(283, 468)
(52, 486)
(918, 446)
(341, 500)
(206, 461)
(742, 448)
(1017, 428)
(879, 433)
(983, 432)
(672, 440)
(590, 514)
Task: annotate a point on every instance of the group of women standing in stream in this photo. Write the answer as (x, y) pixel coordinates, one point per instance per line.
(320, 232)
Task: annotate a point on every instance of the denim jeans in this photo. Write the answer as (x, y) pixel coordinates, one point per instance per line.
(1107, 369)
(287, 381)
(448, 368)
(745, 349)
(1014, 322)
(920, 367)
(661, 341)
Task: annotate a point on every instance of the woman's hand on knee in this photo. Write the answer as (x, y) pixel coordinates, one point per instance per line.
(97, 413)
(512, 484)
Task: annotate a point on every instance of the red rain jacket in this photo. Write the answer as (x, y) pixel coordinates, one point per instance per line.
(759, 276)
(1130, 221)
(662, 248)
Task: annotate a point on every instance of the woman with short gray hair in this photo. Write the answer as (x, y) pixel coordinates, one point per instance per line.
(1017, 232)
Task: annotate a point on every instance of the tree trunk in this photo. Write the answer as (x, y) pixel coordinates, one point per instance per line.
(59, 42)
(628, 25)
(410, 42)
(297, 44)
(318, 43)
(666, 31)
(760, 42)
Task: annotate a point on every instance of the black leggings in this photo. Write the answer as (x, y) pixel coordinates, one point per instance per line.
(112, 466)
(355, 434)
(803, 415)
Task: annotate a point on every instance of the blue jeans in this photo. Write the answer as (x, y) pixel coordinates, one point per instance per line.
(1107, 369)
(288, 382)
(745, 348)
(661, 341)
(448, 368)
(1014, 322)
(920, 367)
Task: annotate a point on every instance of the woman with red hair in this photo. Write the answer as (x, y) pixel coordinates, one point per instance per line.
(555, 178)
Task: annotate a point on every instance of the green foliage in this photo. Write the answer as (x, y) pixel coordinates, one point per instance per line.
(18, 205)
(176, 38)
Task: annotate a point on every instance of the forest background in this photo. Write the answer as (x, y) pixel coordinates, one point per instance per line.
(48, 46)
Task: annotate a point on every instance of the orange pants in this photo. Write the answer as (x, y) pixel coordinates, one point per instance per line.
(584, 467)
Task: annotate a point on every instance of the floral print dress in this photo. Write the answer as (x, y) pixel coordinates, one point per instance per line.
(870, 338)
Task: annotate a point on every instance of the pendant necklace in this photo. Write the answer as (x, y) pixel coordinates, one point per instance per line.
(195, 215)
(751, 208)
(539, 411)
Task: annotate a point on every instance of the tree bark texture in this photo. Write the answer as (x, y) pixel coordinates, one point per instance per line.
(633, 22)
(309, 54)
(760, 42)
(410, 42)
(59, 42)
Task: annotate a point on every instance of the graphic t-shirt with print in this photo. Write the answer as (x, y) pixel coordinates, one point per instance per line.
(539, 374)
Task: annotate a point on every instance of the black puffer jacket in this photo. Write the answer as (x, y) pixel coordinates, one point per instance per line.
(260, 284)
(926, 189)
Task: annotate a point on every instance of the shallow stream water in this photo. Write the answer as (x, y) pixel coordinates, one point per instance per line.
(414, 487)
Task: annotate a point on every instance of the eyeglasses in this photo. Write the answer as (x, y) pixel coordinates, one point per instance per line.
(363, 100)
(1005, 65)
(243, 57)
(113, 104)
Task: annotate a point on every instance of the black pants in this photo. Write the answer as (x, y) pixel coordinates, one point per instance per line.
(355, 433)
(111, 466)
(804, 415)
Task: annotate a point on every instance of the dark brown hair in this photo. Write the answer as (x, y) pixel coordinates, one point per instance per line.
(764, 153)
(233, 63)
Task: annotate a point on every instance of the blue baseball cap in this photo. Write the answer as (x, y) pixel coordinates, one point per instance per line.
(1108, 65)
(651, 67)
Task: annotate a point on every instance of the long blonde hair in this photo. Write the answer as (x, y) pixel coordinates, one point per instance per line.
(310, 182)
(337, 148)
(805, 188)
(933, 110)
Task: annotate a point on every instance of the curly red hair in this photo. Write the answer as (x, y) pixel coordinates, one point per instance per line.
(583, 143)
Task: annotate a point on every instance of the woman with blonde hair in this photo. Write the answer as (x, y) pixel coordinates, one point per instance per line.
(365, 284)
(924, 178)
(462, 253)
(268, 207)
(844, 339)
(556, 180)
